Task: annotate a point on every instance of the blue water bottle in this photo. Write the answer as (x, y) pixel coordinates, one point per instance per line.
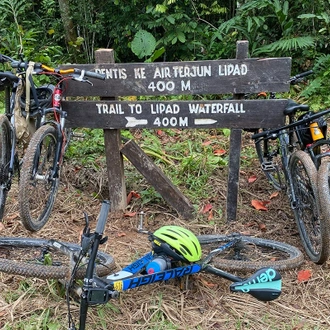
(156, 265)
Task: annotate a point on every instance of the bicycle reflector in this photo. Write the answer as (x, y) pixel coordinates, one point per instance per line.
(264, 285)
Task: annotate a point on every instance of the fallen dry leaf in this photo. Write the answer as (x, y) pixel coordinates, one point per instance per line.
(259, 205)
(131, 195)
(219, 152)
(207, 207)
(274, 194)
(252, 178)
(129, 214)
(206, 143)
(304, 275)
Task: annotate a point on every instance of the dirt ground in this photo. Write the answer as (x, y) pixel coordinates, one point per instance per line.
(208, 304)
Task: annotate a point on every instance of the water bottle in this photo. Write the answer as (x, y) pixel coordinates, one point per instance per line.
(156, 265)
(316, 131)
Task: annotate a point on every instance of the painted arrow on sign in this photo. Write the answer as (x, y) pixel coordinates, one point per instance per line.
(204, 121)
(132, 122)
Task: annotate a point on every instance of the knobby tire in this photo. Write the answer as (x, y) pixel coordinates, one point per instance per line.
(22, 256)
(5, 150)
(254, 253)
(37, 190)
(313, 226)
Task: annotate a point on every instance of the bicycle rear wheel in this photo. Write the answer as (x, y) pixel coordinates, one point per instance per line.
(5, 150)
(38, 187)
(269, 155)
(46, 259)
(251, 253)
(313, 228)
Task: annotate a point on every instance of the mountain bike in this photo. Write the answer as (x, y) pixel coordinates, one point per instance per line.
(11, 84)
(40, 172)
(268, 149)
(293, 162)
(177, 253)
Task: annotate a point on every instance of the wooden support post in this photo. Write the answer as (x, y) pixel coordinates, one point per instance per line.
(158, 179)
(235, 149)
(112, 142)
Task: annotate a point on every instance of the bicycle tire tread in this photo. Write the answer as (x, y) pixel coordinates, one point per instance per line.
(293, 260)
(6, 144)
(42, 271)
(312, 173)
(27, 219)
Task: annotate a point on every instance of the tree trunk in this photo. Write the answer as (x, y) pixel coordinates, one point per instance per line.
(70, 32)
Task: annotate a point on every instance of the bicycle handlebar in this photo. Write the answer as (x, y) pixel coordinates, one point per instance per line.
(299, 76)
(105, 207)
(296, 123)
(42, 68)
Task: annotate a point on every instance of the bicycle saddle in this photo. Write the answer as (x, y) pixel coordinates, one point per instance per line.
(264, 285)
(292, 107)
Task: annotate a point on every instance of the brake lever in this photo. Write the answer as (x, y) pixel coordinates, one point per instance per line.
(86, 238)
(81, 78)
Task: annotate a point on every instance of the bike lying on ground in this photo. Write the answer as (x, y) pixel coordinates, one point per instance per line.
(176, 252)
(292, 164)
(40, 172)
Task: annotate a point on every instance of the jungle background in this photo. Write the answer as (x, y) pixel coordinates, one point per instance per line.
(69, 31)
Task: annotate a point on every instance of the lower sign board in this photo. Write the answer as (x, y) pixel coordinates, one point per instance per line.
(175, 114)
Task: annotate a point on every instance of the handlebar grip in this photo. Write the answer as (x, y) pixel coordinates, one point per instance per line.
(304, 74)
(105, 207)
(18, 65)
(95, 75)
(294, 79)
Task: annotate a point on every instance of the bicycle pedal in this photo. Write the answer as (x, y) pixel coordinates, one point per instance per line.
(268, 167)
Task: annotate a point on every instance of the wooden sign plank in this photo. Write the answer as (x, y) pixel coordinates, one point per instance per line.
(175, 114)
(195, 77)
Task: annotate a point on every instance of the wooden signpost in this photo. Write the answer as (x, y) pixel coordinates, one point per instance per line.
(238, 77)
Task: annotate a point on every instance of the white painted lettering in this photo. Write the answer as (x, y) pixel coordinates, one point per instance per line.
(113, 73)
(233, 70)
(215, 108)
(139, 73)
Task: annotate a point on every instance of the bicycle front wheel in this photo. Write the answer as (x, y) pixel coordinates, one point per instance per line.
(251, 253)
(47, 259)
(313, 228)
(38, 187)
(5, 150)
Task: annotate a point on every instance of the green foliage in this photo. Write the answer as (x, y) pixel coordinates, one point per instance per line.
(24, 31)
(317, 92)
(143, 44)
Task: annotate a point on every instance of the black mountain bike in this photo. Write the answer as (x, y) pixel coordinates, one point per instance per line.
(9, 159)
(40, 172)
(290, 157)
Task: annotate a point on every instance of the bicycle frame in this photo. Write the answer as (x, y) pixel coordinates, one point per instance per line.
(11, 116)
(264, 285)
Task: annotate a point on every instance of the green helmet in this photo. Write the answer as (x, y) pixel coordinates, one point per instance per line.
(178, 242)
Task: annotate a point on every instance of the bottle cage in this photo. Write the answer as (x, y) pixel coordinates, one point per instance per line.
(264, 285)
